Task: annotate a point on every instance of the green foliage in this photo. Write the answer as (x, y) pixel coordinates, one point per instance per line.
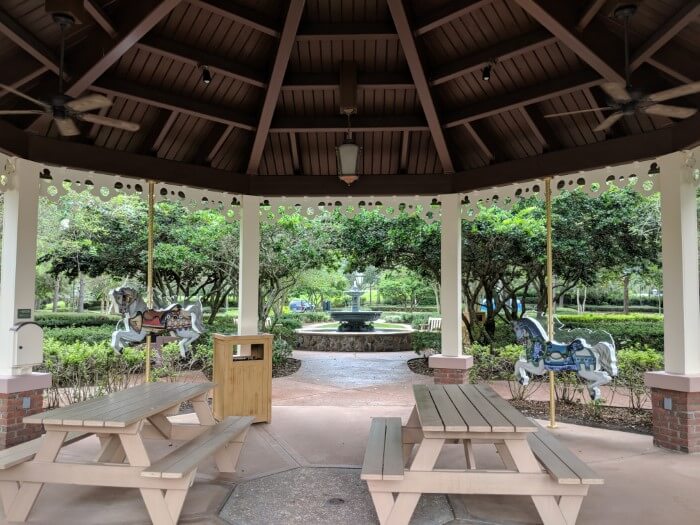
(627, 330)
(80, 334)
(632, 363)
(493, 363)
(426, 341)
(281, 351)
(168, 363)
(55, 320)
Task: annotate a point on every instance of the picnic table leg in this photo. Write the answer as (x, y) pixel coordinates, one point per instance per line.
(413, 429)
(469, 454)
(28, 492)
(111, 449)
(203, 410)
(227, 457)
(570, 506)
(525, 461)
(383, 503)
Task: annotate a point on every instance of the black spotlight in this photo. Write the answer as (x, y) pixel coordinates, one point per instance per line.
(206, 75)
(486, 72)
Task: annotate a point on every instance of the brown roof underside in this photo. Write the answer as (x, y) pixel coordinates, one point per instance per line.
(426, 120)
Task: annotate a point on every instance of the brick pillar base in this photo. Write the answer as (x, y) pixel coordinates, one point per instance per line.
(676, 419)
(13, 407)
(450, 376)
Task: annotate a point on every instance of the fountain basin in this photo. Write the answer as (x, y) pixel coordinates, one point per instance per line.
(324, 338)
(355, 321)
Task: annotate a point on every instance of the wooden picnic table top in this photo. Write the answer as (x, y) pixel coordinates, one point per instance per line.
(122, 408)
(467, 408)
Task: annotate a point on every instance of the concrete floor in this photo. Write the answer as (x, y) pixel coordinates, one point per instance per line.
(320, 419)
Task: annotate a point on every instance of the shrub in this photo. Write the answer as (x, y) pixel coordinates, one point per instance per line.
(632, 363)
(78, 334)
(281, 351)
(55, 320)
(493, 363)
(646, 330)
(422, 341)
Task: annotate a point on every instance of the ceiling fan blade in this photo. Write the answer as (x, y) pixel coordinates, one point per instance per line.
(608, 122)
(552, 115)
(66, 127)
(616, 91)
(112, 122)
(22, 112)
(89, 103)
(665, 110)
(680, 91)
(26, 97)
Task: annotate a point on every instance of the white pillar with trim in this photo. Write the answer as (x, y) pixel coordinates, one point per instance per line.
(451, 365)
(249, 266)
(677, 389)
(21, 339)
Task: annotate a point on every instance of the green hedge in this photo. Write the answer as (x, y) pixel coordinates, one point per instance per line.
(422, 341)
(645, 330)
(618, 308)
(61, 319)
(399, 308)
(80, 334)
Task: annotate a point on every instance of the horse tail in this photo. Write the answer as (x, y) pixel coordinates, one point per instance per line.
(607, 356)
(197, 316)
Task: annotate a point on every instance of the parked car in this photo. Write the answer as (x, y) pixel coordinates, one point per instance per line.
(301, 305)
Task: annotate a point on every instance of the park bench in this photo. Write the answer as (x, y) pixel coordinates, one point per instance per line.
(434, 324)
(26, 451)
(384, 453)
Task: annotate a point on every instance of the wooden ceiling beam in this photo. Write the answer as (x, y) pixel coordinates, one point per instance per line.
(591, 47)
(112, 85)
(541, 128)
(674, 25)
(237, 13)
(95, 128)
(403, 155)
(479, 142)
(410, 50)
(193, 56)
(28, 42)
(339, 124)
(210, 141)
(274, 86)
(522, 97)
(353, 31)
(18, 71)
(100, 55)
(368, 80)
(294, 149)
(100, 17)
(592, 9)
(219, 144)
(501, 51)
(447, 13)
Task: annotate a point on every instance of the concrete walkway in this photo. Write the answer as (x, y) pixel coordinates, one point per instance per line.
(303, 467)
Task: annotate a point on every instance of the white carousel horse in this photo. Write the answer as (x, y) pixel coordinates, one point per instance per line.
(596, 364)
(139, 320)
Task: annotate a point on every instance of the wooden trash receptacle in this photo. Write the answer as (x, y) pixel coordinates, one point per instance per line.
(243, 376)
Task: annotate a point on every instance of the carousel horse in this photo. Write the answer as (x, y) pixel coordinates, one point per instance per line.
(139, 321)
(596, 364)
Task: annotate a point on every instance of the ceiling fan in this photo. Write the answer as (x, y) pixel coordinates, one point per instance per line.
(626, 101)
(63, 109)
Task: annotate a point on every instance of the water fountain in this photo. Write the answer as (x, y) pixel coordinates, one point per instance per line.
(355, 320)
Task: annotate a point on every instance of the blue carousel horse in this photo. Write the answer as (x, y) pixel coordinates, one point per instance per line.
(596, 364)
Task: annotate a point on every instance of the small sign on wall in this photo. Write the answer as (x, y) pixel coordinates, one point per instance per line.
(24, 313)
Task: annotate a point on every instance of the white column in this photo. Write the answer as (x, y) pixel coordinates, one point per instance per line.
(18, 273)
(451, 275)
(249, 269)
(680, 266)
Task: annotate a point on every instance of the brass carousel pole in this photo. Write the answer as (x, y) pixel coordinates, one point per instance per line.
(149, 271)
(550, 299)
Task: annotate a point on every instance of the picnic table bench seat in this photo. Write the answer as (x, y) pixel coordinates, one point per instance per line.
(561, 464)
(26, 451)
(181, 461)
(384, 453)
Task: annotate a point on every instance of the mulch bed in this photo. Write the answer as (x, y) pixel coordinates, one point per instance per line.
(287, 368)
(607, 417)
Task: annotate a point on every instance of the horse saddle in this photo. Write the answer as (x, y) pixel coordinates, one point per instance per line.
(169, 318)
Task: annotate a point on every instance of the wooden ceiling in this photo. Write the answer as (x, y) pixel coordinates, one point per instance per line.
(268, 122)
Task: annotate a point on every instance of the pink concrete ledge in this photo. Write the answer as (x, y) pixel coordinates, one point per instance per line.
(24, 383)
(458, 363)
(676, 382)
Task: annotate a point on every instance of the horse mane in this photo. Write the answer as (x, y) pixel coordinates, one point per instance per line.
(534, 327)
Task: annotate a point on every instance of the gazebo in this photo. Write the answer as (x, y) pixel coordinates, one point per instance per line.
(242, 103)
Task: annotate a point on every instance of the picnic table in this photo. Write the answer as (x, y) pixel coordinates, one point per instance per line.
(122, 421)
(535, 463)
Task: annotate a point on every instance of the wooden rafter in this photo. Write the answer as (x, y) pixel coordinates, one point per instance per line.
(191, 55)
(410, 50)
(339, 124)
(95, 128)
(279, 67)
(479, 142)
(294, 149)
(338, 31)
(685, 15)
(219, 144)
(541, 128)
(365, 80)
(403, 156)
(447, 13)
(558, 19)
(18, 71)
(589, 13)
(94, 62)
(28, 42)
(501, 51)
(100, 17)
(522, 97)
(211, 140)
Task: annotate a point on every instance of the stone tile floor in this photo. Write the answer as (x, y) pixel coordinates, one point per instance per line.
(311, 451)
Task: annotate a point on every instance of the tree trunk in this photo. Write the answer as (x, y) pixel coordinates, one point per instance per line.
(436, 291)
(626, 293)
(56, 293)
(81, 293)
